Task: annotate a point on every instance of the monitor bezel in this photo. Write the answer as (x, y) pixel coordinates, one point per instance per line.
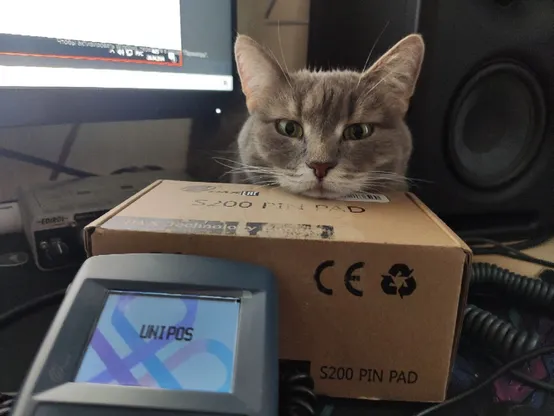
(50, 106)
(50, 382)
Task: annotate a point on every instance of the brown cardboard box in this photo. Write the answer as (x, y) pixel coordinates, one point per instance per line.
(366, 330)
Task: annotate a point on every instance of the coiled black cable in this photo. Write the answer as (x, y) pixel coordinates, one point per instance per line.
(497, 335)
(533, 292)
(6, 402)
(296, 394)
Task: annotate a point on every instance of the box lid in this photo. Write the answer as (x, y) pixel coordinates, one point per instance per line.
(234, 209)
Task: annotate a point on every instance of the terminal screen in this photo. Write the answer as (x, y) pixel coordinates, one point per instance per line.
(164, 342)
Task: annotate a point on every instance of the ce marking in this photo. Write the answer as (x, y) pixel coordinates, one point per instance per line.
(349, 278)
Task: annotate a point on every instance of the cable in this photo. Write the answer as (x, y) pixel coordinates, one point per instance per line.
(21, 311)
(271, 5)
(134, 169)
(68, 143)
(498, 373)
(37, 161)
(60, 168)
(477, 243)
(6, 402)
(497, 335)
(506, 250)
(536, 292)
(296, 394)
(526, 379)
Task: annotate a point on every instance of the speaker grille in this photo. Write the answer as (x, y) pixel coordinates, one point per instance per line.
(496, 125)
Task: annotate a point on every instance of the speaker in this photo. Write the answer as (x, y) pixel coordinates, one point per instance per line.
(482, 114)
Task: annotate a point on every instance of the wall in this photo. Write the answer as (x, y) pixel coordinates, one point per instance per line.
(103, 147)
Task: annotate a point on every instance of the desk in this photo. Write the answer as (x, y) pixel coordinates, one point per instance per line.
(19, 343)
(544, 251)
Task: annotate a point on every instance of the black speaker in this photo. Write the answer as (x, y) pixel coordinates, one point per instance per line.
(482, 116)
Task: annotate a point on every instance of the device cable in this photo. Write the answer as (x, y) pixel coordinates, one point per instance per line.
(60, 168)
(532, 291)
(37, 161)
(67, 145)
(497, 335)
(508, 250)
(525, 378)
(21, 311)
(296, 394)
(490, 379)
(500, 337)
(483, 246)
(6, 403)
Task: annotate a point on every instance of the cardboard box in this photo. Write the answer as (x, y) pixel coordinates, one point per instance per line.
(372, 289)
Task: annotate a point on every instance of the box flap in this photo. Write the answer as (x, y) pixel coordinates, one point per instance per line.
(246, 210)
(90, 228)
(440, 223)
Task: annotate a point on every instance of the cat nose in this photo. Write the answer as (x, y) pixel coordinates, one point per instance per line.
(321, 169)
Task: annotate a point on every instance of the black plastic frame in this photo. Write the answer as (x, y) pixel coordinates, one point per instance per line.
(49, 386)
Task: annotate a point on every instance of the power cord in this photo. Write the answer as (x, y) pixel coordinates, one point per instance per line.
(21, 311)
(6, 403)
(499, 337)
(58, 168)
(527, 290)
(296, 394)
(490, 379)
(482, 246)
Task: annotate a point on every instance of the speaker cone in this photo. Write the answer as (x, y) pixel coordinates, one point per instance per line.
(496, 126)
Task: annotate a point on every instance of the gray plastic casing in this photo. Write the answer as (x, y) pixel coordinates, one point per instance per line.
(49, 389)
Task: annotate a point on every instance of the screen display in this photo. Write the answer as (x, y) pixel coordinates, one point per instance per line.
(166, 342)
(146, 44)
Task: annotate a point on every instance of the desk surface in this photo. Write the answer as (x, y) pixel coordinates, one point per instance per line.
(544, 251)
(19, 343)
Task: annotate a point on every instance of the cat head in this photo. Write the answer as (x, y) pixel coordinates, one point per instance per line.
(327, 134)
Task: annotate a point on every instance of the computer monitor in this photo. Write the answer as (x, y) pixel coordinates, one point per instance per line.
(67, 61)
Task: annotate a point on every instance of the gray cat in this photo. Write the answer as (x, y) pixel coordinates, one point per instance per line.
(326, 134)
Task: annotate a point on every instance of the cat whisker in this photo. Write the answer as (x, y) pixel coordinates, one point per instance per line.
(379, 82)
(229, 163)
(237, 167)
(399, 177)
(225, 152)
(285, 73)
(281, 46)
(371, 51)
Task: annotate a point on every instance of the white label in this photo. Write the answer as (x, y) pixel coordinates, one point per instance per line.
(379, 198)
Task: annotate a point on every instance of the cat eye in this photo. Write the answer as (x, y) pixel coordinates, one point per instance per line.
(358, 131)
(289, 128)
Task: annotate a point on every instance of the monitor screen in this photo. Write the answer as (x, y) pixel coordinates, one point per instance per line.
(124, 44)
(163, 341)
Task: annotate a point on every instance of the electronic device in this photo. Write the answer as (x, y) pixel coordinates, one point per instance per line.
(481, 116)
(54, 213)
(159, 334)
(114, 60)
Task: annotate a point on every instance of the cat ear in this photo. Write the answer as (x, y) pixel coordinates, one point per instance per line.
(259, 72)
(399, 68)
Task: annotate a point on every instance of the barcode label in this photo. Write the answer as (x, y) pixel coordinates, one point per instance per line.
(382, 199)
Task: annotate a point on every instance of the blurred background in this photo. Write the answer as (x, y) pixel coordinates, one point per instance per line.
(102, 148)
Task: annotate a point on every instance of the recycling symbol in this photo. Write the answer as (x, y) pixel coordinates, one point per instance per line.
(399, 281)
